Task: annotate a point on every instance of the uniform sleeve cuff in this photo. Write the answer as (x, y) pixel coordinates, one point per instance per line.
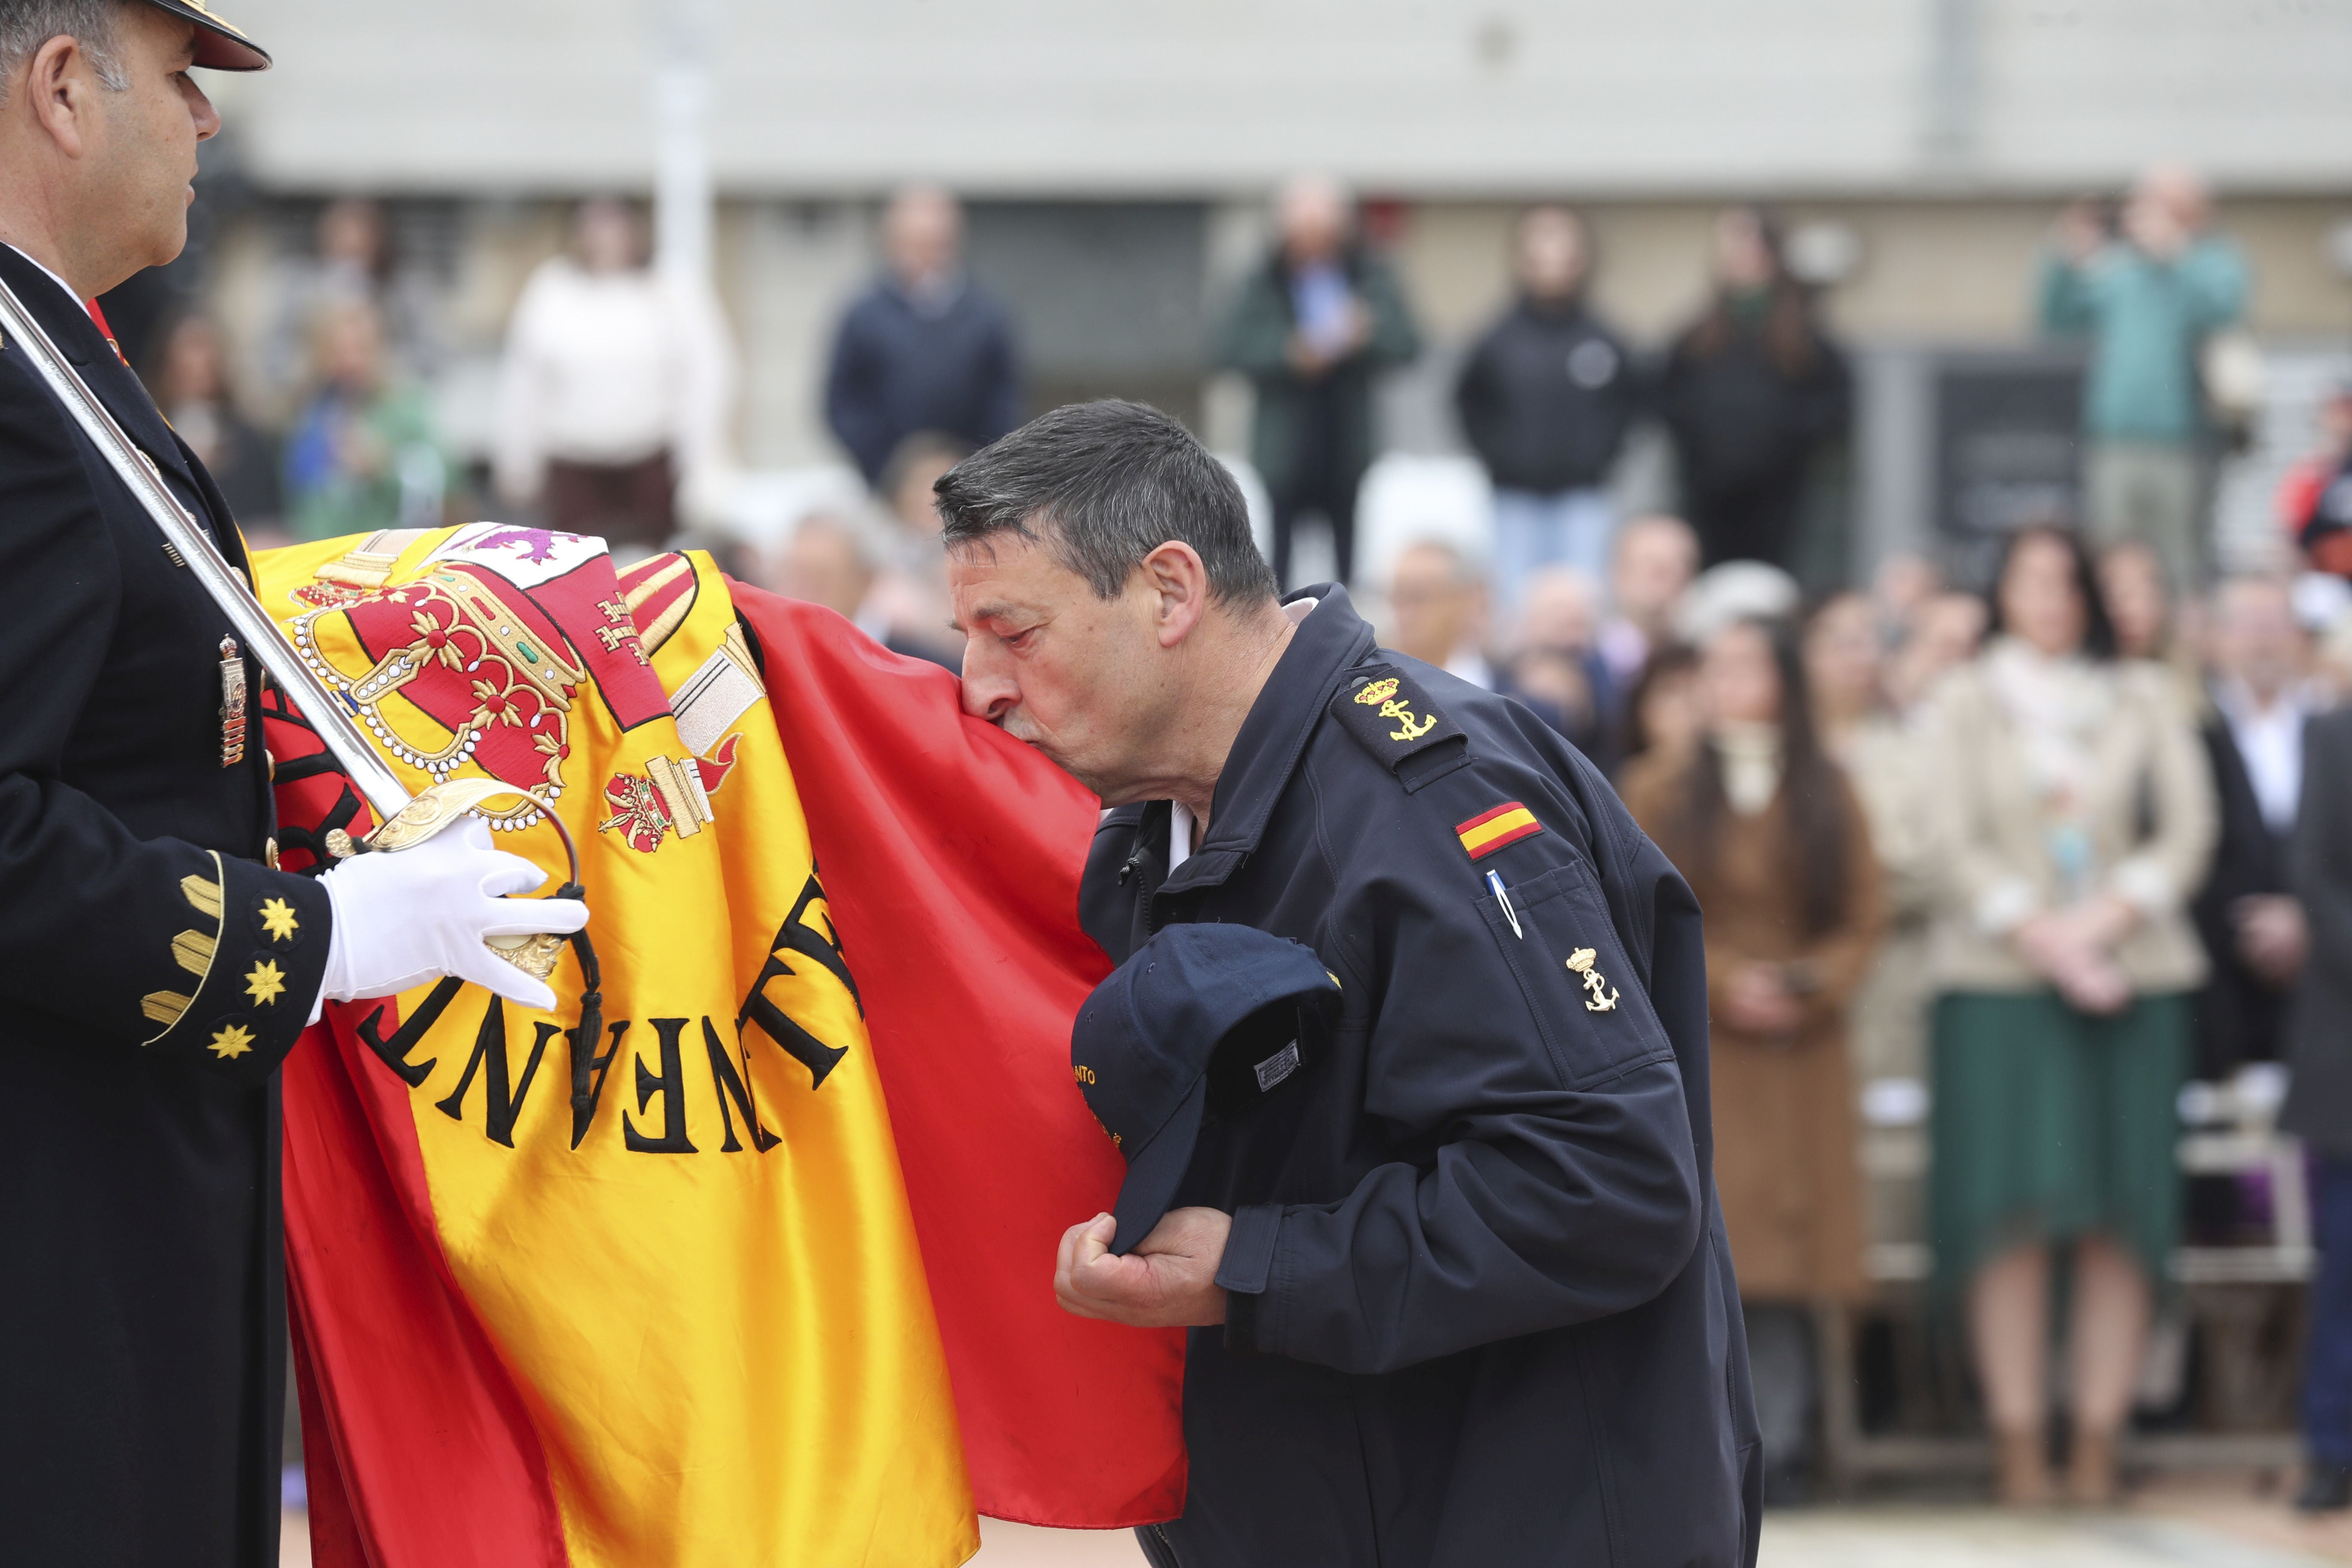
(267, 965)
(1244, 1270)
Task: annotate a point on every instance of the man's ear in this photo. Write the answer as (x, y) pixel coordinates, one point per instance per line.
(1178, 584)
(58, 83)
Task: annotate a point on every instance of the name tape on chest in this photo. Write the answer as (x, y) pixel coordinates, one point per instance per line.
(1389, 716)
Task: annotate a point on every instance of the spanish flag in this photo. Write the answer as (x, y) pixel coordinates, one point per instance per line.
(757, 1273)
(1497, 826)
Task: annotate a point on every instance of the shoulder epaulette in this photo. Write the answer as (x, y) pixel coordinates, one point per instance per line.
(1389, 716)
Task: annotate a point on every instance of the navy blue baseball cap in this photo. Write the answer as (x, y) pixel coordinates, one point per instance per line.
(1202, 1021)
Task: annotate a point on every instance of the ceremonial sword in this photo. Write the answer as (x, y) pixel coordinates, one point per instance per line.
(404, 819)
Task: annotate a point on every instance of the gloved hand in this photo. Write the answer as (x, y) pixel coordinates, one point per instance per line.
(409, 916)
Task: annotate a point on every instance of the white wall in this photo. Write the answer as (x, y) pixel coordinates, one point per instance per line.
(2260, 92)
(1421, 97)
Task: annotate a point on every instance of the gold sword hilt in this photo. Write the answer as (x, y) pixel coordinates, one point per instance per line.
(438, 806)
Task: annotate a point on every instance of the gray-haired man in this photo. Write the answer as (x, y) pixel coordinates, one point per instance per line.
(1458, 1291)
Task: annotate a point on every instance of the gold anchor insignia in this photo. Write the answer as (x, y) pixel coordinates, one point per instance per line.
(1409, 728)
(1603, 996)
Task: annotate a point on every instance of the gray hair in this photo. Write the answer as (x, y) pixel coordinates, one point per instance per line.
(27, 24)
(1105, 484)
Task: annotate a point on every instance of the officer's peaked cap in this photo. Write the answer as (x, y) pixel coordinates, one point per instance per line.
(221, 44)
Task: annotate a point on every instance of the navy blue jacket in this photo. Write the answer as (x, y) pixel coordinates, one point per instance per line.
(1545, 398)
(1482, 1312)
(897, 370)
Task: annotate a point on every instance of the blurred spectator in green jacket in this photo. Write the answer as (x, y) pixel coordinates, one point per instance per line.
(363, 455)
(2149, 292)
(1311, 329)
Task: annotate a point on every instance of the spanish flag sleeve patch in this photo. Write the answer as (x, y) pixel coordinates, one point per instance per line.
(1495, 826)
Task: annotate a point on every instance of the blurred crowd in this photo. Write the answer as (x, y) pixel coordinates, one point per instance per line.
(615, 388)
(2018, 862)
(2029, 862)
(2028, 858)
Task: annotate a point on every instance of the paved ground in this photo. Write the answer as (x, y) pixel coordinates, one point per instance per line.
(2221, 1522)
(1942, 1538)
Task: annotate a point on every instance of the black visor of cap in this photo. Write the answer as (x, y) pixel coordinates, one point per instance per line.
(1156, 1170)
(221, 45)
(1201, 1023)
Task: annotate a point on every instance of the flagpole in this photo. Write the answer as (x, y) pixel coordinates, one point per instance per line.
(682, 93)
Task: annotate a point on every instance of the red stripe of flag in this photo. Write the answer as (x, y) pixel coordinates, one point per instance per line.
(951, 855)
(1488, 816)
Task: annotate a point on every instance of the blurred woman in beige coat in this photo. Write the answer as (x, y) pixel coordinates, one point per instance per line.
(2071, 815)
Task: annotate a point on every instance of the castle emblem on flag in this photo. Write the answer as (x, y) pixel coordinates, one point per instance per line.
(673, 794)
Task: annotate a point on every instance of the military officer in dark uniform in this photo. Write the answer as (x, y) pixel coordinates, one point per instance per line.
(1457, 1285)
(154, 966)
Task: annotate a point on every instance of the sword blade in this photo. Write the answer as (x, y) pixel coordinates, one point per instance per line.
(192, 541)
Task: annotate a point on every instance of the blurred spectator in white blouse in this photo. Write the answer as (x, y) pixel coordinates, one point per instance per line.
(615, 390)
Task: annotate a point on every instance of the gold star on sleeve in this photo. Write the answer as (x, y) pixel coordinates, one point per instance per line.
(278, 919)
(232, 1040)
(266, 981)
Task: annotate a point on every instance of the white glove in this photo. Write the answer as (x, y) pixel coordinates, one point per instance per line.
(408, 916)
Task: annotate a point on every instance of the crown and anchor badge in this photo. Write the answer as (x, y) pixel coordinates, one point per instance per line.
(1381, 694)
(1599, 996)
